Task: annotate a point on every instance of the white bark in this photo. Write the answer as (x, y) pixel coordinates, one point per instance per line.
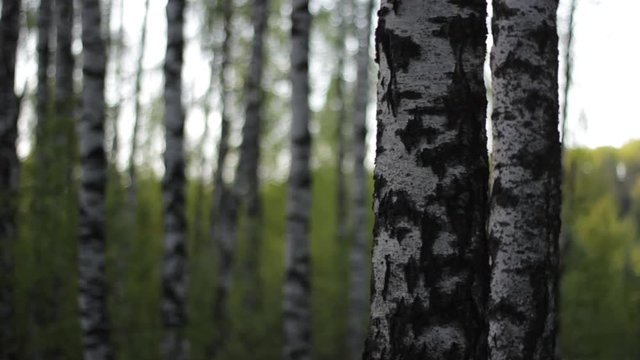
(92, 282)
(429, 255)
(174, 277)
(297, 321)
(525, 197)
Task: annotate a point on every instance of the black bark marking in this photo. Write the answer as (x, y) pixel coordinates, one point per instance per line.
(387, 275)
(515, 65)
(502, 11)
(543, 36)
(398, 51)
(411, 274)
(416, 131)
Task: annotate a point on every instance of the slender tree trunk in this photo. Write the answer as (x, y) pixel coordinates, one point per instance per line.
(297, 319)
(65, 63)
(429, 256)
(223, 203)
(174, 280)
(524, 220)
(341, 117)
(37, 311)
(9, 166)
(118, 55)
(94, 317)
(247, 181)
(568, 70)
(136, 120)
(358, 266)
(64, 92)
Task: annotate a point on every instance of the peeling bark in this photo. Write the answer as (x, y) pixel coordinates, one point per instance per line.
(174, 277)
(524, 220)
(296, 306)
(358, 265)
(430, 265)
(92, 282)
(9, 167)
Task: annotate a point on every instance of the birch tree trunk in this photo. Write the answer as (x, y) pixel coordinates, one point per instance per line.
(524, 219)
(247, 179)
(341, 116)
(9, 109)
(136, 120)
(358, 266)
(174, 279)
(42, 48)
(429, 257)
(223, 206)
(297, 320)
(65, 63)
(94, 317)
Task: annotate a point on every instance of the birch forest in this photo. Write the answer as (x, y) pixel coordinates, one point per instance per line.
(310, 179)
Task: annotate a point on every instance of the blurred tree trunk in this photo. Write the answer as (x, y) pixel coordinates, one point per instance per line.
(341, 117)
(524, 219)
(296, 306)
(136, 120)
(247, 178)
(174, 345)
(223, 208)
(358, 256)
(429, 255)
(37, 309)
(9, 167)
(94, 317)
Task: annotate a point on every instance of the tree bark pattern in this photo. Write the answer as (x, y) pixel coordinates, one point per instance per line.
(296, 306)
(429, 285)
(174, 277)
(94, 318)
(525, 200)
(358, 258)
(9, 167)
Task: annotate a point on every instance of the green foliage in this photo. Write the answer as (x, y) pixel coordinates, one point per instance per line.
(600, 284)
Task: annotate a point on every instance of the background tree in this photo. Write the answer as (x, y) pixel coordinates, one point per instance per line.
(429, 255)
(247, 178)
(174, 345)
(92, 280)
(9, 166)
(524, 220)
(358, 267)
(297, 332)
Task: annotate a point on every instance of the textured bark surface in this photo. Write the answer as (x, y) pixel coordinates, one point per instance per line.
(525, 197)
(92, 282)
(429, 255)
(174, 277)
(248, 184)
(296, 306)
(359, 278)
(9, 108)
